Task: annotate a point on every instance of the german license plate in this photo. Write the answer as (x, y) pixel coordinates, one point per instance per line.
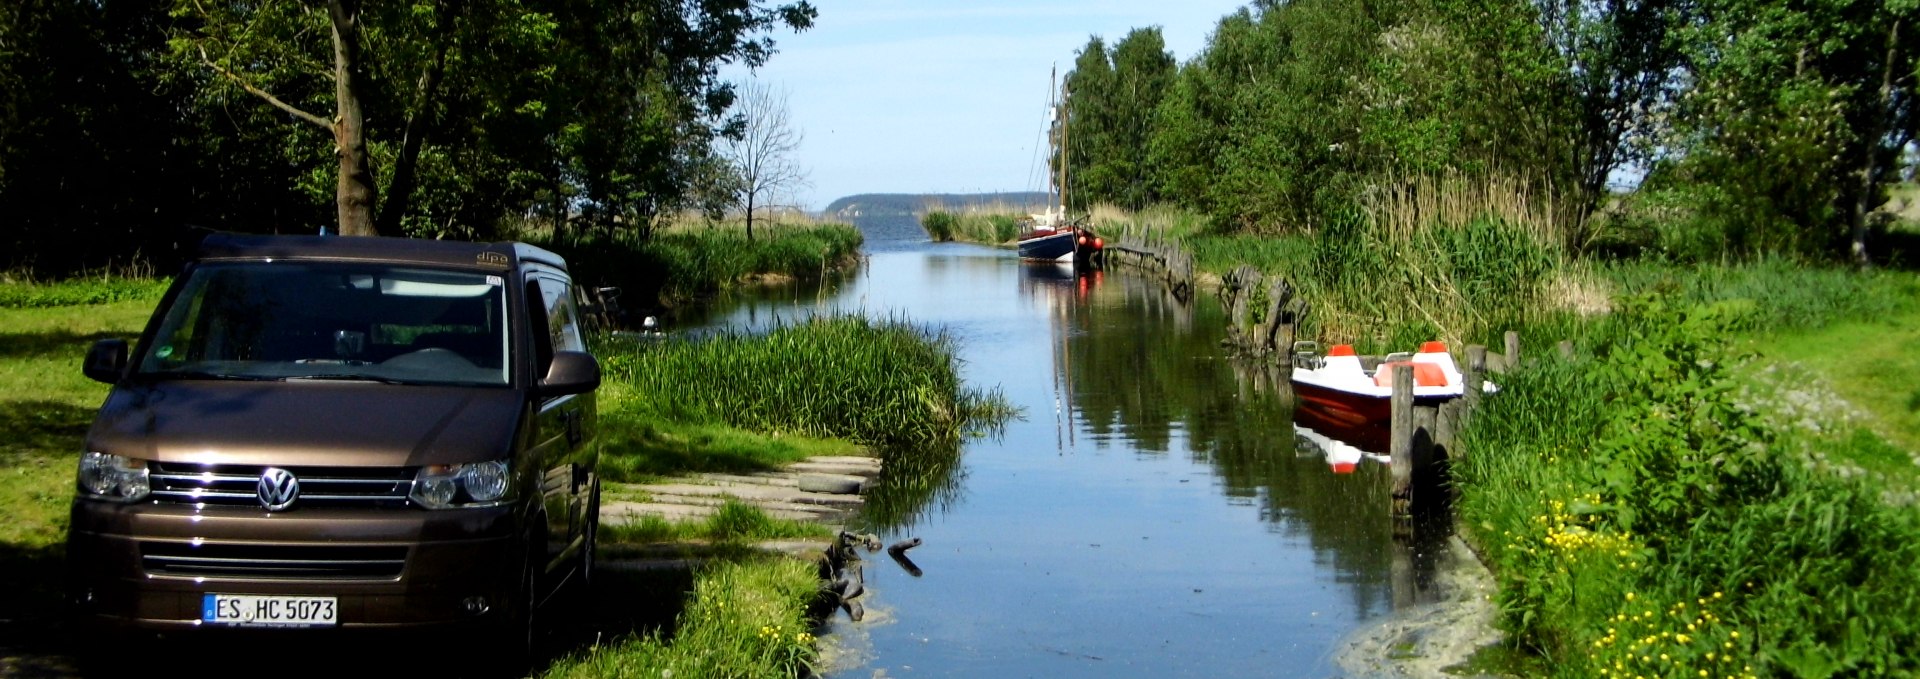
(253, 610)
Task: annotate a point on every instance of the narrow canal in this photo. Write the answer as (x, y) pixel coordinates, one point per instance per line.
(1153, 514)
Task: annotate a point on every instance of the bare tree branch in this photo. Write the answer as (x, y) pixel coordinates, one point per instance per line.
(762, 155)
(263, 94)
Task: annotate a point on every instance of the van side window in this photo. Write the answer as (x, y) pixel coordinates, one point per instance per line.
(563, 321)
(537, 318)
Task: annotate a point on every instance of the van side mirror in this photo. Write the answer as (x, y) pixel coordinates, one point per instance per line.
(571, 372)
(106, 361)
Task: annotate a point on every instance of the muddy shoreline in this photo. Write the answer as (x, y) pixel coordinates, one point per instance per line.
(1424, 641)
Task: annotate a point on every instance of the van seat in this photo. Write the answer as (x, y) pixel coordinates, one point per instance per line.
(480, 348)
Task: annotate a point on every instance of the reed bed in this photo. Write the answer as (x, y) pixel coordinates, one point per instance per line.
(1452, 258)
(681, 264)
(1644, 520)
(972, 227)
(883, 383)
(745, 619)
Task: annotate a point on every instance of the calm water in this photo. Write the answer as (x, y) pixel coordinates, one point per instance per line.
(1152, 515)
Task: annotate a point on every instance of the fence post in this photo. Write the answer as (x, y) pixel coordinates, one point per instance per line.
(1446, 426)
(1400, 441)
(1512, 340)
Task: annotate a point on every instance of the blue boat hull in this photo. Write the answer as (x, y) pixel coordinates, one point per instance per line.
(1055, 247)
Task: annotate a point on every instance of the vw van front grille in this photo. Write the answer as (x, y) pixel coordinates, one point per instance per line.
(238, 485)
(306, 562)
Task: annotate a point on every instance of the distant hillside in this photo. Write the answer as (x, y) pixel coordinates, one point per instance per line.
(906, 204)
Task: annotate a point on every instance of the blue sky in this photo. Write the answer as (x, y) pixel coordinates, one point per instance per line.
(944, 96)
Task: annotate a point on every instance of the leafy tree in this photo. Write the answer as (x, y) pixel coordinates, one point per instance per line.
(88, 148)
(1087, 131)
(598, 108)
(1794, 120)
(1143, 71)
(759, 149)
(1621, 57)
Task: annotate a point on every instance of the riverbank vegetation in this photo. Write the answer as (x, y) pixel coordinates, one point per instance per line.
(696, 258)
(737, 402)
(881, 383)
(1652, 508)
(743, 619)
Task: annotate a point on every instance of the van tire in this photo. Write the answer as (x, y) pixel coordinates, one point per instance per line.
(513, 641)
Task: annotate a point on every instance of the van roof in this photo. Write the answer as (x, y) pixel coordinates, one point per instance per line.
(492, 256)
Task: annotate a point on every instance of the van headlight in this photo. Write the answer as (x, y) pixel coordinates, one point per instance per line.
(113, 478)
(475, 484)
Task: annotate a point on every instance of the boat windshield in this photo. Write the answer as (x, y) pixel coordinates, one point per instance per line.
(333, 321)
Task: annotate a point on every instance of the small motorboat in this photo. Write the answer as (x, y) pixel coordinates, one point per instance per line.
(1340, 397)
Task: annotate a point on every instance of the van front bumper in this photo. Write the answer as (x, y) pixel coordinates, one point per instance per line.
(150, 566)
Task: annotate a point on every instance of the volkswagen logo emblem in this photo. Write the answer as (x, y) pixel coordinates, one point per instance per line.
(278, 489)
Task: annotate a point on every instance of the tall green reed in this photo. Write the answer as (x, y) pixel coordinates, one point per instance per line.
(887, 384)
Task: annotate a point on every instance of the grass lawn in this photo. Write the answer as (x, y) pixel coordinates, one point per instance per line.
(1874, 367)
(46, 406)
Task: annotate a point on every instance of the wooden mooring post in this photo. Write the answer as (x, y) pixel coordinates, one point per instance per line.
(1401, 439)
(1422, 438)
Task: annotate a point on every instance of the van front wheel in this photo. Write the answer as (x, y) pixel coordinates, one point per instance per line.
(513, 641)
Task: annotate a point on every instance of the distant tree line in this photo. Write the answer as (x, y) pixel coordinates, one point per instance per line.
(1754, 125)
(910, 204)
(127, 124)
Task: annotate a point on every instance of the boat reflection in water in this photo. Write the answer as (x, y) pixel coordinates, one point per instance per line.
(1344, 439)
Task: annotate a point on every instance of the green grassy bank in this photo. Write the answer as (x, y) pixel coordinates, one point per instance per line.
(1660, 506)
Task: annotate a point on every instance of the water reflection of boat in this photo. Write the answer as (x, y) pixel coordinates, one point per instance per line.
(1341, 425)
(1342, 457)
(1048, 271)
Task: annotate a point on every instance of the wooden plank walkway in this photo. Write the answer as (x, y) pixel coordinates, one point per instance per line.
(779, 493)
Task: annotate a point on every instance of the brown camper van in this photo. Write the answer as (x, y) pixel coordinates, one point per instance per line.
(333, 432)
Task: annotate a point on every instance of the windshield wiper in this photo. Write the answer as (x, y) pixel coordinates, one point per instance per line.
(203, 375)
(348, 377)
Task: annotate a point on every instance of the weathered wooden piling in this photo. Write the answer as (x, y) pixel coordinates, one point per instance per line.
(1400, 443)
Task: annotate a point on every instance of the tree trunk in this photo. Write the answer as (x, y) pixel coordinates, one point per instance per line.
(749, 216)
(1869, 173)
(356, 192)
(419, 125)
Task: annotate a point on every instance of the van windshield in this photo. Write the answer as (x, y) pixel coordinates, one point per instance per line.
(333, 321)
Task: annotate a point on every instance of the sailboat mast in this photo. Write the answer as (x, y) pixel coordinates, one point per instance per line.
(1061, 115)
(1053, 134)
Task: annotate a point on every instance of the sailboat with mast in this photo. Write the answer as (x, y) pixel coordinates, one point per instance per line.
(1052, 236)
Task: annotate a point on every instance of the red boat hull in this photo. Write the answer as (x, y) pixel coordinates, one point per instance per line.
(1365, 422)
